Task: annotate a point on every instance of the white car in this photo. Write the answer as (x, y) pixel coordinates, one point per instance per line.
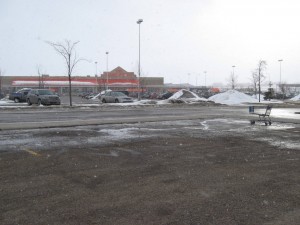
(115, 97)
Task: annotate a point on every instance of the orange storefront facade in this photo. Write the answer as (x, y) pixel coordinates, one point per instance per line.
(117, 79)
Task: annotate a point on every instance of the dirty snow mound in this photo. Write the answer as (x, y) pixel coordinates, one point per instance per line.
(183, 94)
(97, 97)
(296, 98)
(232, 97)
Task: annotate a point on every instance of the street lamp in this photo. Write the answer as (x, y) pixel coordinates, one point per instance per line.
(280, 60)
(139, 23)
(233, 69)
(106, 70)
(189, 86)
(96, 75)
(96, 68)
(205, 77)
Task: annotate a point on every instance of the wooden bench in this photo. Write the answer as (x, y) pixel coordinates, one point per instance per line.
(262, 117)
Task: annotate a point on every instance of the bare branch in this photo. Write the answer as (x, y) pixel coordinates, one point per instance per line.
(67, 51)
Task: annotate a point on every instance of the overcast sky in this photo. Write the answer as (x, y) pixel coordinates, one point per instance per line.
(180, 39)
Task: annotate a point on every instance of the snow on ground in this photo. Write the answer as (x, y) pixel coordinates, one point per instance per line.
(296, 98)
(185, 94)
(6, 102)
(97, 97)
(232, 97)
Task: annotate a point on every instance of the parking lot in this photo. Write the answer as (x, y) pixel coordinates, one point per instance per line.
(216, 170)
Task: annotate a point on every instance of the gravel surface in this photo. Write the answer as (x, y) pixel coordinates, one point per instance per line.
(219, 171)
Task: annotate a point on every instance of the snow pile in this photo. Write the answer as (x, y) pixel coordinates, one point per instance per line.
(232, 97)
(98, 96)
(5, 101)
(185, 94)
(296, 98)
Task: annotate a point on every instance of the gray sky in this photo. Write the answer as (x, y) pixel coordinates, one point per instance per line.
(179, 38)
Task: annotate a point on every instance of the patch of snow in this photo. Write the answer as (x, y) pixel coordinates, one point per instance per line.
(296, 98)
(232, 97)
(183, 93)
(6, 102)
(97, 97)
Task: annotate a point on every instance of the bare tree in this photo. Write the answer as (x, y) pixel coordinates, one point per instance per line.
(232, 80)
(254, 81)
(67, 51)
(259, 72)
(283, 87)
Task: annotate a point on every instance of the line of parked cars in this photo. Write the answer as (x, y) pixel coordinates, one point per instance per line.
(35, 96)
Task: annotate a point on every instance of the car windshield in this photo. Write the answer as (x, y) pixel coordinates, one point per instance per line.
(45, 92)
(22, 90)
(119, 94)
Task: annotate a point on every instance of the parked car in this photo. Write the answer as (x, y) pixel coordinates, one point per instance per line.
(153, 95)
(42, 96)
(116, 97)
(146, 95)
(20, 95)
(165, 95)
(125, 92)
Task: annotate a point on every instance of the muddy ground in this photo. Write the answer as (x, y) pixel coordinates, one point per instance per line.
(189, 172)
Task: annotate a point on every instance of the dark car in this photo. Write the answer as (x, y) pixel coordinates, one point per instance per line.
(20, 95)
(42, 96)
(165, 95)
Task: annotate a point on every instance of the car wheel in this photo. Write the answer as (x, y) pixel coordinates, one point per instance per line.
(39, 102)
(16, 100)
(103, 100)
(117, 100)
(28, 102)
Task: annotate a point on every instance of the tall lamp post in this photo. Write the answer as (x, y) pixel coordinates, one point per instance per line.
(139, 23)
(205, 78)
(96, 75)
(280, 60)
(106, 70)
(96, 69)
(189, 86)
(233, 78)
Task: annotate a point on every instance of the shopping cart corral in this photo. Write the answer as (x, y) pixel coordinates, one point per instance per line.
(263, 114)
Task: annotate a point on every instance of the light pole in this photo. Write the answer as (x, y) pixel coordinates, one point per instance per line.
(139, 23)
(106, 70)
(96, 75)
(96, 69)
(189, 81)
(280, 60)
(205, 77)
(233, 78)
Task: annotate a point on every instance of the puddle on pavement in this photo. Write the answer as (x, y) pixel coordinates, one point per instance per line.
(104, 134)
